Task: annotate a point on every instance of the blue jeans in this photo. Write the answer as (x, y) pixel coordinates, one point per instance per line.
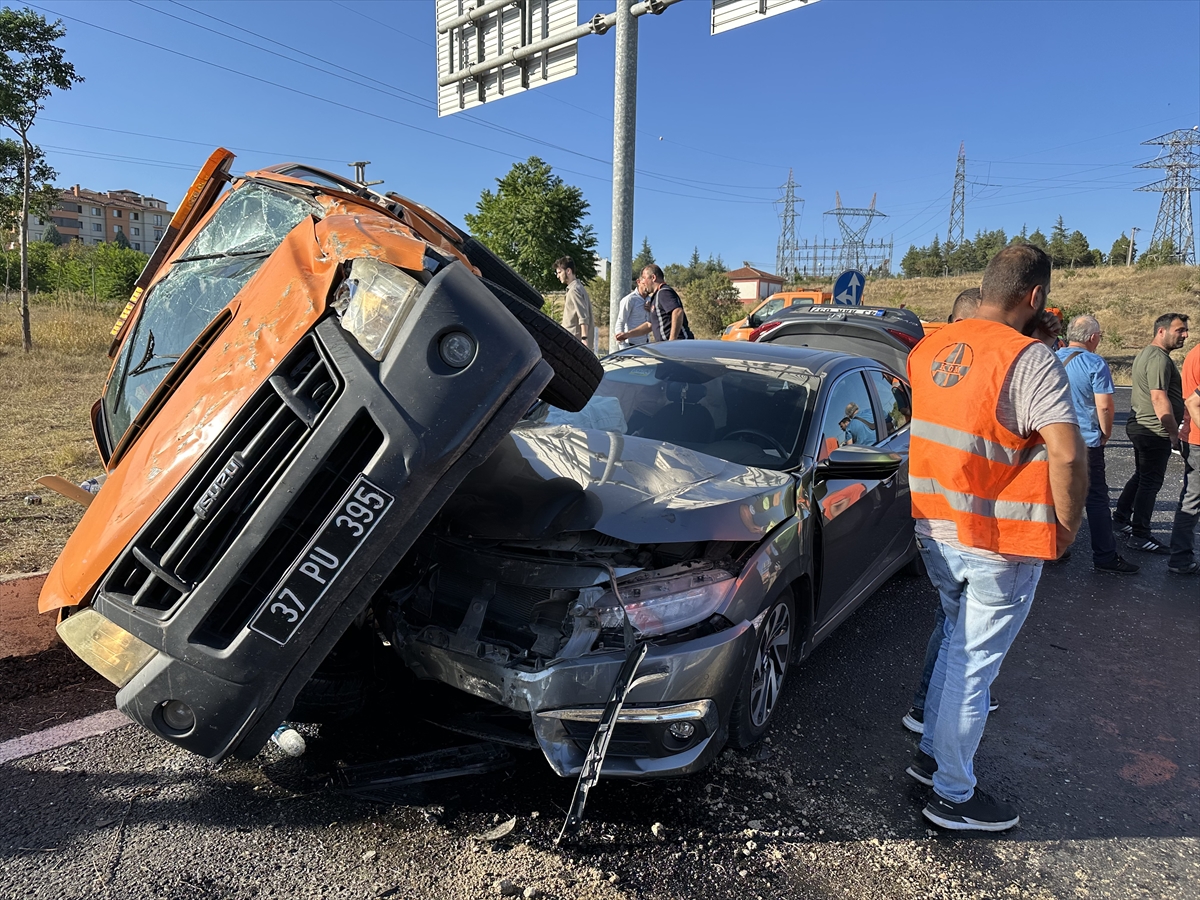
(1099, 515)
(986, 603)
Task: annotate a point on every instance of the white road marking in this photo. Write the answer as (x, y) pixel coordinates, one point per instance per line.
(61, 735)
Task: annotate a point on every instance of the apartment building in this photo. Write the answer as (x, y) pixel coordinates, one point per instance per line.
(97, 218)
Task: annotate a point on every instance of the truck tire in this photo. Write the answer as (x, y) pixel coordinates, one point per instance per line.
(492, 268)
(339, 687)
(577, 372)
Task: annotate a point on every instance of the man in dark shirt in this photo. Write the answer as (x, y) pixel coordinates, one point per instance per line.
(1156, 410)
(668, 321)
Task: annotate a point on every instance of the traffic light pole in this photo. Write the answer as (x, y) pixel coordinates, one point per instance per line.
(624, 137)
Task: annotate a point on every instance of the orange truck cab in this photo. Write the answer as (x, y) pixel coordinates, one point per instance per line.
(741, 329)
(305, 371)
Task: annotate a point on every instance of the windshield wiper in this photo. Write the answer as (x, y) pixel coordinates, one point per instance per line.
(234, 255)
(144, 366)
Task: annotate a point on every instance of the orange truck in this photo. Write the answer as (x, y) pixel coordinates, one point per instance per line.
(741, 329)
(305, 371)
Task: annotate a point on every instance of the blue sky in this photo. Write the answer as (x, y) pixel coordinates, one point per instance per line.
(1053, 100)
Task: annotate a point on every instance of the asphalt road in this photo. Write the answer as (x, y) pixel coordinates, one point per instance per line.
(1097, 740)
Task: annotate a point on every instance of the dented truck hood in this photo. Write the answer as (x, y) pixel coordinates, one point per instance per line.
(546, 480)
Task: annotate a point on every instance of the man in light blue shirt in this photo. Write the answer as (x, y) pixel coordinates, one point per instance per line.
(1092, 396)
(630, 314)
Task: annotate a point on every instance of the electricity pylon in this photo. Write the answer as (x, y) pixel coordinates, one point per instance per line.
(958, 206)
(787, 249)
(1174, 221)
(854, 223)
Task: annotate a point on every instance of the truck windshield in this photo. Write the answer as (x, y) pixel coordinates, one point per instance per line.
(227, 251)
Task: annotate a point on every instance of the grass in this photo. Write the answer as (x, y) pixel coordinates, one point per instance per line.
(48, 393)
(1125, 301)
(45, 405)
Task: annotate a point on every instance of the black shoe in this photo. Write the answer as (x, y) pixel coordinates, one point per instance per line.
(914, 720)
(1122, 527)
(1118, 566)
(1147, 545)
(1061, 559)
(922, 768)
(1192, 568)
(979, 813)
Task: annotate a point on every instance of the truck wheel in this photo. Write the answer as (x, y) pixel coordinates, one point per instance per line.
(338, 689)
(497, 271)
(577, 372)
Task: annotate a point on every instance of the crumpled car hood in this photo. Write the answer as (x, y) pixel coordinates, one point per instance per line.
(543, 481)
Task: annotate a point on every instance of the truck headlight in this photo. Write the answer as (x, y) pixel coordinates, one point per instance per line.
(372, 302)
(660, 605)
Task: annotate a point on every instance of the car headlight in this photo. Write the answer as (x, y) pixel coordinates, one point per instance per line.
(660, 605)
(372, 302)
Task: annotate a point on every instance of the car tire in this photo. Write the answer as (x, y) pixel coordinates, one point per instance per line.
(762, 683)
(577, 372)
(492, 268)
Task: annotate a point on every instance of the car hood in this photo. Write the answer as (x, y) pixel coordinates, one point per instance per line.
(544, 481)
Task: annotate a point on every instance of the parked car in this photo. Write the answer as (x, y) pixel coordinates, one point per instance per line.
(305, 372)
(883, 333)
(710, 502)
(741, 329)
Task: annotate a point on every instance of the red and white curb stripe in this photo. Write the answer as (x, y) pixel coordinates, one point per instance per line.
(61, 735)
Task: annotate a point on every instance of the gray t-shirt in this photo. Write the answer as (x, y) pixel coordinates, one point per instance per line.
(577, 314)
(1036, 393)
(1154, 370)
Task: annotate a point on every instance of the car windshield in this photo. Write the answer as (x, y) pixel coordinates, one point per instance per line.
(228, 250)
(751, 412)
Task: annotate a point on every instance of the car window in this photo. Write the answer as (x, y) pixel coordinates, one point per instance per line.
(895, 407)
(849, 417)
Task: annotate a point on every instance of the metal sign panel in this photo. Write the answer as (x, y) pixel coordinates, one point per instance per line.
(728, 14)
(479, 48)
(848, 289)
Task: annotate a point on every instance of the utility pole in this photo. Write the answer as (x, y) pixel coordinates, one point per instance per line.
(787, 250)
(624, 136)
(1129, 252)
(956, 233)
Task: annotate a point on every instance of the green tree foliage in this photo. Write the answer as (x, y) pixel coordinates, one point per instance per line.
(924, 262)
(1119, 253)
(1058, 245)
(121, 241)
(68, 269)
(51, 236)
(532, 219)
(644, 258)
(31, 66)
(1159, 253)
(598, 290)
(1039, 240)
(43, 195)
(1067, 250)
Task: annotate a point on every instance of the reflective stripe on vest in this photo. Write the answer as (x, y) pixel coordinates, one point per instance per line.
(977, 445)
(980, 506)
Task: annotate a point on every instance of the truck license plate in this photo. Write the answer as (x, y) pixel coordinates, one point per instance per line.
(327, 554)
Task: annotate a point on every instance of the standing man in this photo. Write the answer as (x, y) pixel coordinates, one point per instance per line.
(1183, 533)
(577, 305)
(1092, 394)
(1156, 409)
(668, 321)
(997, 475)
(631, 314)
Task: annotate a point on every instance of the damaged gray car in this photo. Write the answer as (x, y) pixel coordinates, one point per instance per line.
(720, 507)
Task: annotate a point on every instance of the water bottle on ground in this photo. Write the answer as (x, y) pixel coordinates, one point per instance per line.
(289, 740)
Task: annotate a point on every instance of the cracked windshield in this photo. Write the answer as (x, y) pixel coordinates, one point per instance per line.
(243, 232)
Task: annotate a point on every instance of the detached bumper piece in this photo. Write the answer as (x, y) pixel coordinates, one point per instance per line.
(274, 543)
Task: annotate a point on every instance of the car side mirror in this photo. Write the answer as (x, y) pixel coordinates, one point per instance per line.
(753, 320)
(858, 463)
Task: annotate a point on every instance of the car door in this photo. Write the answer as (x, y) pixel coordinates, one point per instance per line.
(893, 409)
(853, 531)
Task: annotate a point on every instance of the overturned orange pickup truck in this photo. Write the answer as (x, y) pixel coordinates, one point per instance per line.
(306, 371)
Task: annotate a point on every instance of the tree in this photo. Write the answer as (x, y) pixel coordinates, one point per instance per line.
(51, 236)
(121, 241)
(644, 258)
(1119, 254)
(43, 196)
(711, 302)
(533, 219)
(1078, 251)
(1057, 247)
(31, 66)
(1039, 240)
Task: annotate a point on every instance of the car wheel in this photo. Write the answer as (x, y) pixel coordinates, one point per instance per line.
(577, 372)
(497, 271)
(339, 687)
(763, 682)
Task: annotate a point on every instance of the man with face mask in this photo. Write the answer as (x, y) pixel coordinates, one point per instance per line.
(998, 473)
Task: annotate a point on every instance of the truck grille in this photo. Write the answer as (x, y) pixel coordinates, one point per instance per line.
(205, 514)
(327, 485)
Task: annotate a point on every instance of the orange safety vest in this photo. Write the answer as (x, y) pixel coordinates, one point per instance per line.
(964, 466)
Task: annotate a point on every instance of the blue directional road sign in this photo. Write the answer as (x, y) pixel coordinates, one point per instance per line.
(848, 289)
